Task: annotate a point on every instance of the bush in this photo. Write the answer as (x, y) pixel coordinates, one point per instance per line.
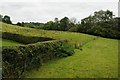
(64, 50)
(23, 39)
(19, 59)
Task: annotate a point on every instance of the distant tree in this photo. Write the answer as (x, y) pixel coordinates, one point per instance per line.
(101, 23)
(56, 20)
(98, 16)
(6, 19)
(103, 16)
(55, 24)
(49, 25)
(72, 25)
(73, 20)
(19, 24)
(1, 17)
(22, 24)
(115, 23)
(64, 23)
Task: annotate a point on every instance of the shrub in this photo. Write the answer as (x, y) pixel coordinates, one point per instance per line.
(64, 50)
(19, 59)
(23, 39)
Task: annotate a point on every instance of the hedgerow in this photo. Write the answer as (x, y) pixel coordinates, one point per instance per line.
(19, 59)
(23, 39)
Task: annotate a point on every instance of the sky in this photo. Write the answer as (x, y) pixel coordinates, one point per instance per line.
(46, 10)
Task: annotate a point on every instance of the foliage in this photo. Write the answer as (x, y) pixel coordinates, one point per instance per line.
(19, 59)
(23, 39)
(6, 19)
(98, 59)
(5, 42)
(64, 23)
(1, 18)
(64, 50)
(83, 62)
(101, 23)
(71, 37)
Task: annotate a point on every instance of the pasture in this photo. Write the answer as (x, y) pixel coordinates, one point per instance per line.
(5, 42)
(94, 57)
(97, 59)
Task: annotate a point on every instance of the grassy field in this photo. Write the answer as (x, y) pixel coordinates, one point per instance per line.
(98, 57)
(5, 42)
(73, 38)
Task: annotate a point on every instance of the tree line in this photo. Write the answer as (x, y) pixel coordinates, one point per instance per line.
(5, 19)
(101, 23)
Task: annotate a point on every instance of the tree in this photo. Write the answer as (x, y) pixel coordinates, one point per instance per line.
(1, 17)
(56, 20)
(73, 20)
(6, 19)
(73, 27)
(103, 16)
(100, 23)
(19, 24)
(49, 25)
(64, 23)
(55, 24)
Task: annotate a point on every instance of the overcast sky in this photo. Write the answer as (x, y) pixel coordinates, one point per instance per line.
(46, 10)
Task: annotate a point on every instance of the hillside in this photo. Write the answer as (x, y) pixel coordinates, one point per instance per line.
(97, 58)
(73, 38)
(9, 43)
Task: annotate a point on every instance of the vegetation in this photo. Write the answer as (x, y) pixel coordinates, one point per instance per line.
(94, 56)
(101, 23)
(19, 59)
(34, 55)
(5, 19)
(5, 42)
(23, 39)
(72, 38)
(97, 59)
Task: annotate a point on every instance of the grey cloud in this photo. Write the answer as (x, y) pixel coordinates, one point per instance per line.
(46, 11)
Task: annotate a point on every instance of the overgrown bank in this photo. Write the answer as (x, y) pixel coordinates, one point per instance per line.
(24, 39)
(94, 56)
(100, 23)
(71, 37)
(97, 59)
(19, 59)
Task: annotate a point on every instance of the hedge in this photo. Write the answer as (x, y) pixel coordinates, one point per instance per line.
(19, 59)
(24, 39)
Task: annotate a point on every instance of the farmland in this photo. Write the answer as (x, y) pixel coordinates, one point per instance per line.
(73, 38)
(95, 60)
(94, 57)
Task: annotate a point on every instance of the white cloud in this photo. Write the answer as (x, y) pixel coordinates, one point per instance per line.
(45, 10)
(59, 0)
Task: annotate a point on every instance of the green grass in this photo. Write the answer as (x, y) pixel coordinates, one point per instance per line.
(5, 42)
(98, 57)
(73, 38)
